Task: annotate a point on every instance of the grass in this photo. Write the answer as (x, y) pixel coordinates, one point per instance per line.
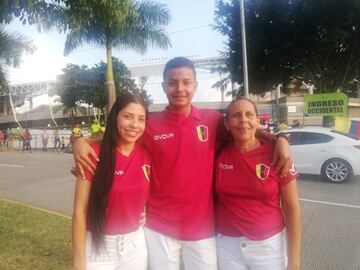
(32, 239)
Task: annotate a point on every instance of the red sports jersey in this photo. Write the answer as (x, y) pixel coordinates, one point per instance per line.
(129, 191)
(182, 149)
(247, 190)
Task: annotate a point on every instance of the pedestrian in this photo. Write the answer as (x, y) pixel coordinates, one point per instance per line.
(2, 139)
(57, 143)
(181, 140)
(62, 143)
(8, 138)
(254, 203)
(106, 233)
(45, 138)
(283, 126)
(77, 131)
(26, 137)
(296, 123)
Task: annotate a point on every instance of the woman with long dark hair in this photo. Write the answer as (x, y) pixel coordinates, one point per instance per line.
(106, 233)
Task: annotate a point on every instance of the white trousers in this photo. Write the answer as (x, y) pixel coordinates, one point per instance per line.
(165, 252)
(121, 252)
(241, 253)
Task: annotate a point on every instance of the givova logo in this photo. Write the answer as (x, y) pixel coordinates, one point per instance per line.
(119, 172)
(163, 136)
(202, 133)
(226, 166)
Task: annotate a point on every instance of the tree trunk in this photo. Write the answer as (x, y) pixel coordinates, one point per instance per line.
(110, 85)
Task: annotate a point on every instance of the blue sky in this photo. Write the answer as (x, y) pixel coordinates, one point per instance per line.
(189, 32)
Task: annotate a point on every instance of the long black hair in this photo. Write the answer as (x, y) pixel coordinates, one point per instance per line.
(104, 174)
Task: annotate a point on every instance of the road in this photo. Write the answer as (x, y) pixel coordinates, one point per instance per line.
(330, 212)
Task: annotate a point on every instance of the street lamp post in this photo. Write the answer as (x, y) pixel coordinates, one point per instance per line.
(243, 40)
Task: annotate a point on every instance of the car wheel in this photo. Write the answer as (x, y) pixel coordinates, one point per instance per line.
(336, 170)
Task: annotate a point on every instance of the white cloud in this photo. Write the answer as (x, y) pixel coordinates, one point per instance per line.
(45, 64)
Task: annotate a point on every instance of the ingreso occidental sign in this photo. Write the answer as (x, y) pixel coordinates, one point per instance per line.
(330, 104)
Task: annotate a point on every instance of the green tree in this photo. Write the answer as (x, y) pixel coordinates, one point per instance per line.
(42, 13)
(70, 88)
(116, 24)
(312, 41)
(82, 85)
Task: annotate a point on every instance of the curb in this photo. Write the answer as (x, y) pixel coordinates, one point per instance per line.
(36, 208)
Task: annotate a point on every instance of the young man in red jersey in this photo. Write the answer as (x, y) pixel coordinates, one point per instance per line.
(182, 142)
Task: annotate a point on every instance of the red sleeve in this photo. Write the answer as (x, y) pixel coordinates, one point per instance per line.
(292, 174)
(96, 147)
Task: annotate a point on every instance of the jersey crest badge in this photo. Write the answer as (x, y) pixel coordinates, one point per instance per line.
(262, 171)
(202, 133)
(146, 171)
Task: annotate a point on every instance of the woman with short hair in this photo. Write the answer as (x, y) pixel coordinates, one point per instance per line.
(254, 206)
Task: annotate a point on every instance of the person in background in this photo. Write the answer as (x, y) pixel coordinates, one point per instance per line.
(77, 131)
(62, 143)
(45, 138)
(107, 207)
(8, 138)
(296, 123)
(283, 126)
(2, 139)
(26, 136)
(255, 205)
(57, 143)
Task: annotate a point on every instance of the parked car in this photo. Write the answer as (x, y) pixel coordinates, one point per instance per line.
(318, 150)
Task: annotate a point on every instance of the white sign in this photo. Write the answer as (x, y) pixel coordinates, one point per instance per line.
(292, 109)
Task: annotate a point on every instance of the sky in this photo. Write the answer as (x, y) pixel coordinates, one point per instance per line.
(190, 32)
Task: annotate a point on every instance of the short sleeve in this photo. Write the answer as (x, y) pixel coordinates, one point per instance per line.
(292, 175)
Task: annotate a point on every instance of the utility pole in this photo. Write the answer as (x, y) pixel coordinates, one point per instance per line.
(244, 54)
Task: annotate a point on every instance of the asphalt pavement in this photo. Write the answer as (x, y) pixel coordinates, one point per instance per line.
(330, 212)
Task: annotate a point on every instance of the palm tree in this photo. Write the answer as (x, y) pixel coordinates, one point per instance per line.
(12, 46)
(117, 24)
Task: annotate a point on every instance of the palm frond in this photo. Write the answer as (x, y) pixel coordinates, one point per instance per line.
(152, 13)
(4, 87)
(141, 39)
(12, 46)
(146, 29)
(77, 38)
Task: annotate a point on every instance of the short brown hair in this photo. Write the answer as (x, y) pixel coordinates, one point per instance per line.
(178, 62)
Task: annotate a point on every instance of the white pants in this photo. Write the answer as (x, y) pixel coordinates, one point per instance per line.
(165, 252)
(241, 253)
(122, 252)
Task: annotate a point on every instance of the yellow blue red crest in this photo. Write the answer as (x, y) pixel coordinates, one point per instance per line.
(202, 133)
(262, 171)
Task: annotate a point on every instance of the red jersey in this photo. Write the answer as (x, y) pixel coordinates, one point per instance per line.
(129, 191)
(247, 190)
(181, 193)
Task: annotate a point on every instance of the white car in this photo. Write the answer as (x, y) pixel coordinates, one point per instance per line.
(318, 150)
